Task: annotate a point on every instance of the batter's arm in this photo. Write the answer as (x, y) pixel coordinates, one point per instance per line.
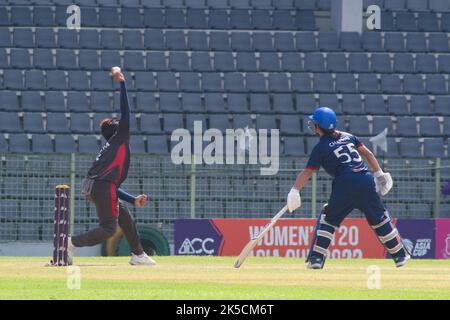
(369, 157)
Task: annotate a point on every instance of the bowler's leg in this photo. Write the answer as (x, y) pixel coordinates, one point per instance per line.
(128, 226)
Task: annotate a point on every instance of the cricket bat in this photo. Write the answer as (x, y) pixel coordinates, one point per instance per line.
(254, 240)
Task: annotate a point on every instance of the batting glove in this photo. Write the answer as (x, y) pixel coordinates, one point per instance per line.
(293, 200)
(383, 182)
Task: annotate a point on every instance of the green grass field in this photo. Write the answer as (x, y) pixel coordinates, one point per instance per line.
(215, 278)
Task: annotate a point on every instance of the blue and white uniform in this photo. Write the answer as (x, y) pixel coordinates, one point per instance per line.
(353, 184)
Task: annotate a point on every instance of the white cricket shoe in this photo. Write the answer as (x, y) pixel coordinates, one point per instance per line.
(142, 259)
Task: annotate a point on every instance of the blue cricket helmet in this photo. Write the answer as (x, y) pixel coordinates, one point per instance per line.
(325, 118)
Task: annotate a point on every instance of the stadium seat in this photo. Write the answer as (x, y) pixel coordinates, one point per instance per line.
(57, 123)
(108, 17)
(282, 20)
(23, 38)
(172, 122)
(89, 18)
(157, 144)
(256, 82)
(12, 79)
(368, 83)
(407, 126)
(133, 61)
(283, 103)
(358, 125)
(425, 63)
(314, 62)
(262, 41)
(88, 60)
(219, 121)
(196, 18)
(132, 39)
(410, 147)
(241, 41)
(433, 147)
(56, 80)
(413, 83)
(421, 105)
(197, 41)
(291, 62)
(9, 122)
(379, 123)
(224, 62)
(403, 63)
(19, 143)
(166, 81)
(175, 19)
(394, 42)
(211, 82)
(416, 42)
(45, 38)
(34, 80)
(41, 143)
(80, 123)
(278, 82)
(429, 127)
(5, 37)
(436, 84)
(358, 63)
(20, 59)
(101, 81)
(78, 80)
(442, 105)
(397, 105)
(77, 101)
(261, 19)
(374, 104)
(328, 41)
(219, 41)
(130, 17)
(269, 62)
(189, 82)
(192, 102)
(31, 101)
(218, 19)
(381, 62)
(146, 102)
(144, 81)
(43, 59)
(169, 102)
(284, 42)
(214, 102)
(438, 42)
(330, 100)
(294, 146)
(67, 39)
(242, 121)
(54, 101)
(391, 83)
(345, 83)
(405, 21)
(260, 103)
(350, 41)
(64, 143)
(372, 41)
(234, 82)
(87, 144)
(154, 40)
(179, 61)
(89, 39)
(301, 82)
(305, 41)
(4, 19)
(21, 16)
(66, 60)
(153, 18)
(240, 19)
(200, 61)
(305, 103)
(237, 103)
(443, 63)
(9, 101)
(352, 104)
(290, 125)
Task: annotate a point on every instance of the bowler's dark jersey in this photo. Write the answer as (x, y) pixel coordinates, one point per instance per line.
(113, 160)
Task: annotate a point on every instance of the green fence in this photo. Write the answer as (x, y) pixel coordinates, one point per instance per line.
(27, 184)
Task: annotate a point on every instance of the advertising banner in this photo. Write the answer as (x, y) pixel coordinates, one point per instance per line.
(418, 237)
(443, 238)
(289, 238)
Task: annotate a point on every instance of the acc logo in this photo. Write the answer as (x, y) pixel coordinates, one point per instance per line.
(418, 249)
(196, 246)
